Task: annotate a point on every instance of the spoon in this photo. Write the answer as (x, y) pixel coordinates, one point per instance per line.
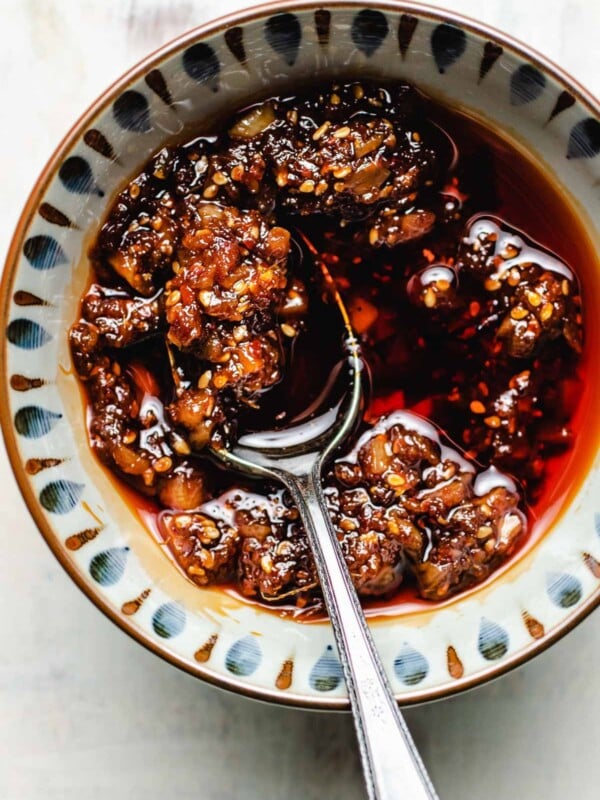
(295, 457)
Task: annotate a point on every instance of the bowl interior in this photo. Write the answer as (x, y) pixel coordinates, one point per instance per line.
(185, 87)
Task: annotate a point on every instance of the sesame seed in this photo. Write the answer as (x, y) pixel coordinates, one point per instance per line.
(163, 464)
(429, 298)
(134, 190)
(181, 446)
(321, 131)
(205, 297)
(546, 312)
(287, 330)
(220, 380)
(477, 407)
(148, 476)
(240, 332)
(373, 235)
(335, 99)
(342, 172)
(395, 480)
(266, 564)
(514, 277)
(533, 298)
(565, 287)
(359, 92)
(204, 379)
(173, 298)
(519, 312)
(492, 285)
(220, 178)
(307, 186)
(210, 191)
(342, 132)
(210, 532)
(207, 558)
(493, 421)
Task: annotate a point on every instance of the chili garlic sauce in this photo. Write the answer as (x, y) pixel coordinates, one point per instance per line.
(468, 278)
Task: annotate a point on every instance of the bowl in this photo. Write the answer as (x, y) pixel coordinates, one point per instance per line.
(428, 654)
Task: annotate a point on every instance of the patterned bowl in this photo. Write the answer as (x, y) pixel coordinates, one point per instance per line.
(93, 533)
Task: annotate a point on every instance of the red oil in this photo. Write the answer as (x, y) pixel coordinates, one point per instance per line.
(495, 177)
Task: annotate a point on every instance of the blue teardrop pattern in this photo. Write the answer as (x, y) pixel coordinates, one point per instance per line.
(493, 641)
(243, 657)
(563, 589)
(33, 422)
(234, 39)
(107, 567)
(584, 140)
(491, 53)
(77, 177)
(27, 334)
(22, 298)
(60, 497)
(44, 252)
(323, 26)
(155, 80)
(54, 216)
(168, 620)
(448, 43)
(132, 112)
(369, 30)
(283, 33)
(202, 65)
(97, 141)
(564, 101)
(526, 84)
(410, 666)
(406, 30)
(326, 675)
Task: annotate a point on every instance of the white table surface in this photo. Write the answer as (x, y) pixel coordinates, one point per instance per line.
(85, 712)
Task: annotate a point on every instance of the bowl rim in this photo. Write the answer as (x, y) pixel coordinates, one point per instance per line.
(210, 28)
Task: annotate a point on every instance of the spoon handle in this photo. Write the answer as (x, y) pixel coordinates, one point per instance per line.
(391, 763)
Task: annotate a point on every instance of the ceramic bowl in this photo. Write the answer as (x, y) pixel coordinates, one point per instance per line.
(93, 533)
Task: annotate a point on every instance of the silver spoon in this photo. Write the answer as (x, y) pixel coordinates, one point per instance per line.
(296, 456)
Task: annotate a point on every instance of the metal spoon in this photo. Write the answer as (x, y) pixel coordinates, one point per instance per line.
(296, 456)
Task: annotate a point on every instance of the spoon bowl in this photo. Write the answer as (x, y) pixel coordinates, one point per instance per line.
(296, 457)
(429, 651)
